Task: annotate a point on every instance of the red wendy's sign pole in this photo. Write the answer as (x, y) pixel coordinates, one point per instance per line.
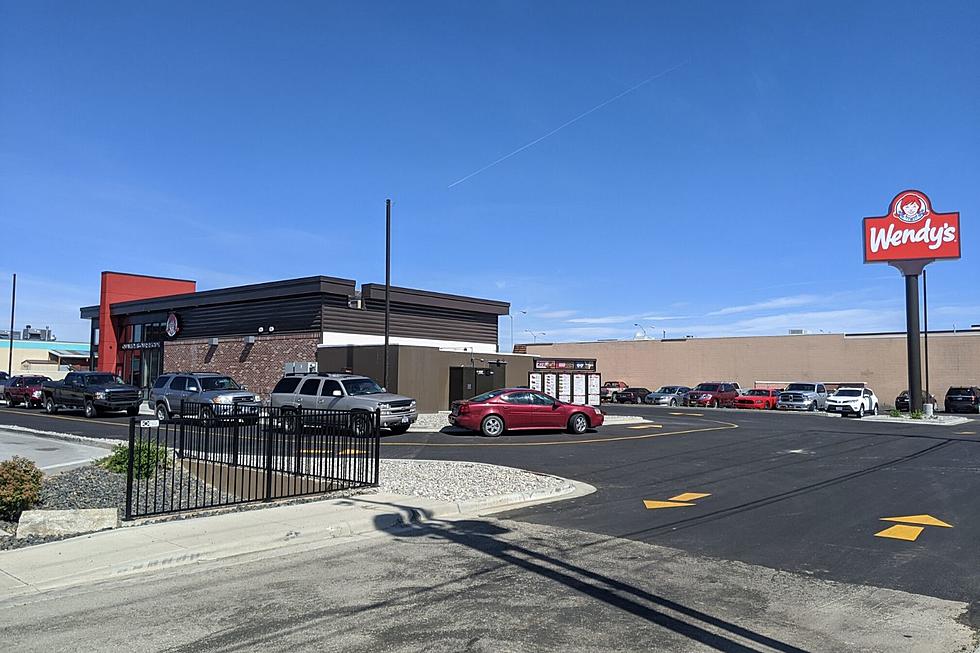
(909, 238)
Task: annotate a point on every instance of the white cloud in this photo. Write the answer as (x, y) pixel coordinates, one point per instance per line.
(777, 302)
(622, 319)
(555, 315)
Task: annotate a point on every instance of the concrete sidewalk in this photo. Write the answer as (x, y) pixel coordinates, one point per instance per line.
(271, 531)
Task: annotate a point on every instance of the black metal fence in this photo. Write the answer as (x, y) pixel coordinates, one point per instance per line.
(212, 456)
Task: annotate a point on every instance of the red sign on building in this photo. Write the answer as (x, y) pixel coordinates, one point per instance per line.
(911, 231)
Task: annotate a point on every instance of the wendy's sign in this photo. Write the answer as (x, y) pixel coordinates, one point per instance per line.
(911, 231)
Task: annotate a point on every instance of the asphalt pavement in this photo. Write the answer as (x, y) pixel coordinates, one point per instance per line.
(50, 454)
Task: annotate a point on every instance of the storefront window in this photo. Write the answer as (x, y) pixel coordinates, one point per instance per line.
(141, 353)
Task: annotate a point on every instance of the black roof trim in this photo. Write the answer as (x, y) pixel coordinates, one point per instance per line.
(437, 299)
(89, 312)
(254, 292)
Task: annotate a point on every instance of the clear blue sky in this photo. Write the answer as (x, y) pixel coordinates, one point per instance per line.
(236, 142)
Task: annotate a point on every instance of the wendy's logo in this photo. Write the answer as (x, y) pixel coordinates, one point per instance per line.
(911, 208)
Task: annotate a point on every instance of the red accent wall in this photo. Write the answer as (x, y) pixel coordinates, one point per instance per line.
(118, 287)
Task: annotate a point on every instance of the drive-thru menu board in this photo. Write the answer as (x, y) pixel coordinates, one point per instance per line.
(571, 387)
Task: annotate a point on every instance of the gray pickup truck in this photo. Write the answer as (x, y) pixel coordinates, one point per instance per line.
(803, 396)
(344, 392)
(93, 392)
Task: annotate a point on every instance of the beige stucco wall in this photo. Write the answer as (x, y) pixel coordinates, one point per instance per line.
(33, 350)
(880, 361)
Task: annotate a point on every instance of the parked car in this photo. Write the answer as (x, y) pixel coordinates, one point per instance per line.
(668, 395)
(803, 396)
(24, 390)
(631, 395)
(220, 395)
(513, 409)
(4, 377)
(962, 399)
(93, 392)
(758, 398)
(853, 401)
(609, 389)
(345, 392)
(715, 394)
(903, 404)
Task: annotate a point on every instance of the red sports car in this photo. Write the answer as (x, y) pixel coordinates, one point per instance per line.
(497, 411)
(758, 398)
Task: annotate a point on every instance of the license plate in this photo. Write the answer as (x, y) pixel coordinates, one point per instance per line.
(404, 420)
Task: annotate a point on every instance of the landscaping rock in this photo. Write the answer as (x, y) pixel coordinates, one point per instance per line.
(47, 523)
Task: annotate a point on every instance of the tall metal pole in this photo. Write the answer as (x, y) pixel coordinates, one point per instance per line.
(13, 303)
(925, 328)
(913, 341)
(387, 285)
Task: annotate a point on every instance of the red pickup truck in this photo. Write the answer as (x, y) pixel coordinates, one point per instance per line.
(24, 390)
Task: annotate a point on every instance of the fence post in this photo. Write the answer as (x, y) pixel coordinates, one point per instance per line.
(376, 442)
(129, 468)
(234, 435)
(268, 457)
(180, 419)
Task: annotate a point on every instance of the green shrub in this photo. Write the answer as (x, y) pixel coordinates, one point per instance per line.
(916, 414)
(894, 412)
(147, 457)
(20, 486)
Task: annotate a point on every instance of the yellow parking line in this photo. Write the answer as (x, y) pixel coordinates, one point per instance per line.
(84, 420)
(646, 426)
(725, 426)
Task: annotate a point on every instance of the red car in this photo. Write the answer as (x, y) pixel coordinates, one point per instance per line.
(24, 390)
(515, 409)
(713, 395)
(758, 398)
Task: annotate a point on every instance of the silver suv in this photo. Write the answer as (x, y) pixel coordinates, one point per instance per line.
(803, 396)
(220, 394)
(345, 392)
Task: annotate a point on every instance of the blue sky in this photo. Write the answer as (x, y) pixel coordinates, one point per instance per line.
(237, 142)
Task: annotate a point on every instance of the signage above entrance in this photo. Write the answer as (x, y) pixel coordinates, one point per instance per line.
(127, 346)
(587, 364)
(173, 325)
(911, 231)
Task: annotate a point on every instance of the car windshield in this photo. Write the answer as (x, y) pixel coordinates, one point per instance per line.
(848, 392)
(667, 390)
(758, 393)
(486, 396)
(801, 387)
(362, 387)
(707, 387)
(101, 379)
(209, 383)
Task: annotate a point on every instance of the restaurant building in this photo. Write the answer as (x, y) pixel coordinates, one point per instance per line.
(144, 326)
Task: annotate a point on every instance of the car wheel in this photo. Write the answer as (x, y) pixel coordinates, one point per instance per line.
(162, 413)
(90, 410)
(860, 412)
(11, 401)
(492, 426)
(813, 406)
(673, 402)
(874, 411)
(578, 424)
(361, 425)
(49, 406)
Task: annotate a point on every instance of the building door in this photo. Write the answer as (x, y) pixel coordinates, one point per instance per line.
(466, 382)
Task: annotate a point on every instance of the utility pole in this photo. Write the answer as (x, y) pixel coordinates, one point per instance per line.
(387, 286)
(13, 303)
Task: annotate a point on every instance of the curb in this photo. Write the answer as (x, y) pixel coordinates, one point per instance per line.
(887, 419)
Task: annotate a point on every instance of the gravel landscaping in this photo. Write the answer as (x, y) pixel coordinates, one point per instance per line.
(460, 481)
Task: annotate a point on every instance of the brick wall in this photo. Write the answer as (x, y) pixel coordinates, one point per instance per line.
(258, 366)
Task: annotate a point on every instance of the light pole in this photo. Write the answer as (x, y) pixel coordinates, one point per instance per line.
(534, 335)
(13, 302)
(511, 332)
(387, 286)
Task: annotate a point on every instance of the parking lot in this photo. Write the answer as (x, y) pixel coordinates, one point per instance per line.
(797, 492)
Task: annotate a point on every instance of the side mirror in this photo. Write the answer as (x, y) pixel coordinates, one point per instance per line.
(384, 389)
(337, 393)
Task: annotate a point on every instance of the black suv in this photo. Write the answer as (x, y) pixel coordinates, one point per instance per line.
(963, 399)
(631, 395)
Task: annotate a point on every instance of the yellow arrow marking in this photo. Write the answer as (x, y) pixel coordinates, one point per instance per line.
(653, 505)
(907, 533)
(689, 496)
(923, 520)
(646, 426)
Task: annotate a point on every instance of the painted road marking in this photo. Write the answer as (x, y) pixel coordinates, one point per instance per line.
(646, 426)
(84, 420)
(966, 433)
(907, 533)
(904, 531)
(687, 414)
(680, 501)
(922, 520)
(690, 496)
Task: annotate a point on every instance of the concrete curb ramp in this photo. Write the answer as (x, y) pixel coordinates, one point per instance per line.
(128, 551)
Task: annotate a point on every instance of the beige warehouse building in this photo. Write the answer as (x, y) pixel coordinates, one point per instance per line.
(878, 359)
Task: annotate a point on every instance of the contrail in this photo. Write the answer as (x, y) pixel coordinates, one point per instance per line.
(566, 124)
